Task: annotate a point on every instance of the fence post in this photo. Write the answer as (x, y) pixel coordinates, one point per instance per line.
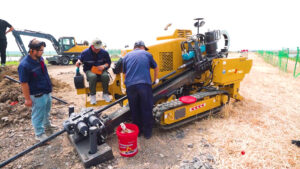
(297, 59)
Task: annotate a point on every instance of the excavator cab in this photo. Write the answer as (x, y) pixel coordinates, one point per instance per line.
(69, 49)
(66, 43)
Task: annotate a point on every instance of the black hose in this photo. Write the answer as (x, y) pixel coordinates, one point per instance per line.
(59, 100)
(32, 148)
(17, 81)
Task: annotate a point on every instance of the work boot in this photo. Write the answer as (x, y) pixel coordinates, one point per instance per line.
(147, 136)
(93, 99)
(41, 137)
(50, 129)
(106, 97)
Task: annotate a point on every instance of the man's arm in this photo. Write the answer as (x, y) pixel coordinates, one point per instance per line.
(155, 73)
(9, 30)
(105, 65)
(78, 63)
(26, 93)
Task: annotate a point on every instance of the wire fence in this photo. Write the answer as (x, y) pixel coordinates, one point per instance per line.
(282, 59)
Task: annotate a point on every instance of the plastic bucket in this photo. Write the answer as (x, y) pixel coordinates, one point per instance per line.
(128, 141)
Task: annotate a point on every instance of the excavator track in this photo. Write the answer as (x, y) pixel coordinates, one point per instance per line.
(160, 109)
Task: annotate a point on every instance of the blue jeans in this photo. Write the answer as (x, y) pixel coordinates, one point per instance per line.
(41, 107)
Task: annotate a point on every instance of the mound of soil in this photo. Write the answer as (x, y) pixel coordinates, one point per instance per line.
(59, 85)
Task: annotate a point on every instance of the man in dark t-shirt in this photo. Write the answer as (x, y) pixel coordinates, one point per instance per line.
(96, 61)
(36, 88)
(3, 42)
(136, 66)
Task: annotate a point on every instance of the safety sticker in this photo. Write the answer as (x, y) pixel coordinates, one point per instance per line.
(197, 107)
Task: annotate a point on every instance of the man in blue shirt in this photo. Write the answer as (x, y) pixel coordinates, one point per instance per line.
(3, 42)
(37, 88)
(98, 58)
(136, 66)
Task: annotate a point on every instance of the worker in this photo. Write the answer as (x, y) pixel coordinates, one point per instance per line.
(3, 42)
(136, 66)
(96, 62)
(36, 87)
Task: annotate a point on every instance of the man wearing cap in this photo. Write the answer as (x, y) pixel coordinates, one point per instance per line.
(95, 57)
(136, 66)
(36, 87)
(3, 42)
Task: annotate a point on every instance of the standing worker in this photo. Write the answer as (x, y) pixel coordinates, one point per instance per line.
(96, 62)
(36, 87)
(136, 66)
(3, 42)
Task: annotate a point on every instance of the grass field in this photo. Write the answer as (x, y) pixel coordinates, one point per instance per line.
(113, 59)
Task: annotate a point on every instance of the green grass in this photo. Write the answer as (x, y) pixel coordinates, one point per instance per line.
(12, 63)
(294, 59)
(114, 59)
(17, 62)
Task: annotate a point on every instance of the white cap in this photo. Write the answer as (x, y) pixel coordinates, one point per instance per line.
(97, 43)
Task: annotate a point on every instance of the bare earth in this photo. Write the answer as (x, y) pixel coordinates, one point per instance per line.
(261, 126)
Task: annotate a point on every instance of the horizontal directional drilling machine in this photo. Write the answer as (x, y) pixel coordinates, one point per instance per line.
(196, 79)
(190, 66)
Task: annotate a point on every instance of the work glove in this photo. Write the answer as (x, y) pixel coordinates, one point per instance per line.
(156, 81)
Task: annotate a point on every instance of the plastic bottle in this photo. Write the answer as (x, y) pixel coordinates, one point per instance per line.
(124, 129)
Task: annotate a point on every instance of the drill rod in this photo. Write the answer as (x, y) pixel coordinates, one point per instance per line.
(31, 148)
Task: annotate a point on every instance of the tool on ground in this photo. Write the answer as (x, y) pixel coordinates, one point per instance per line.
(296, 142)
(17, 81)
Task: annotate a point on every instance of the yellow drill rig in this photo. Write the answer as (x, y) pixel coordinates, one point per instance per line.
(189, 65)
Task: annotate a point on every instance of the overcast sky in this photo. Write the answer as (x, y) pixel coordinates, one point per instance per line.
(251, 24)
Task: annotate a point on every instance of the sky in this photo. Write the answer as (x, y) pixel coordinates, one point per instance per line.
(251, 24)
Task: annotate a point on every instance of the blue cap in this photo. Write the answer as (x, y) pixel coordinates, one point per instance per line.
(140, 43)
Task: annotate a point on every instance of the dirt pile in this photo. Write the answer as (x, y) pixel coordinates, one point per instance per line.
(12, 108)
(59, 85)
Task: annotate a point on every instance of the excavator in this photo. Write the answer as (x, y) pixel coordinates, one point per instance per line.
(195, 80)
(66, 47)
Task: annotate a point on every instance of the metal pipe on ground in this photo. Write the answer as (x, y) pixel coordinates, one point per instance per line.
(31, 148)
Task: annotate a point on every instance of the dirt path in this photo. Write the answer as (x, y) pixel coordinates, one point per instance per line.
(262, 126)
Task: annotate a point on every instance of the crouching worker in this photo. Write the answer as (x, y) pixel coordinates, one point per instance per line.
(37, 88)
(96, 61)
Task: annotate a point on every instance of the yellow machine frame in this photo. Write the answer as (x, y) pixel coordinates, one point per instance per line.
(227, 73)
